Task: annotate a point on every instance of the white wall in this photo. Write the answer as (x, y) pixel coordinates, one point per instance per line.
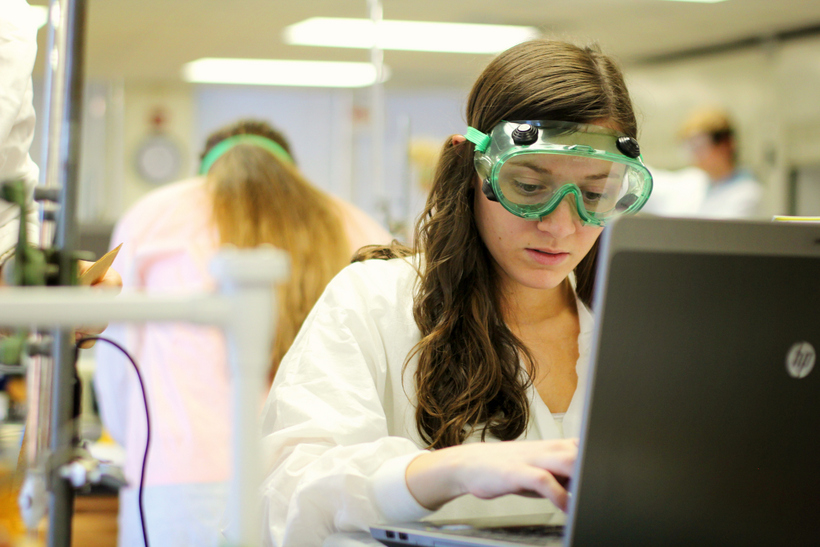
(315, 121)
(330, 133)
(117, 120)
(328, 129)
(772, 91)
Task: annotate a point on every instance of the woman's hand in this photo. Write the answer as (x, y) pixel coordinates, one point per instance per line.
(111, 279)
(489, 470)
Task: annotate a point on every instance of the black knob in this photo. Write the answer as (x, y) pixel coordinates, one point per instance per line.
(46, 194)
(628, 147)
(488, 191)
(525, 134)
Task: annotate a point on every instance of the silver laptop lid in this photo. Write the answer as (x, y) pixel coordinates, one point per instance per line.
(703, 418)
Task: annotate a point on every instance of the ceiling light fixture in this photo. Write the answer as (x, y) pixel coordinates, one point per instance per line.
(407, 35)
(280, 72)
(698, 1)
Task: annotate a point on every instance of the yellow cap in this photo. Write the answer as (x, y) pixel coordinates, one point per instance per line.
(707, 121)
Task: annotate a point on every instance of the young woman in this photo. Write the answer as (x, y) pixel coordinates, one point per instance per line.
(249, 193)
(480, 334)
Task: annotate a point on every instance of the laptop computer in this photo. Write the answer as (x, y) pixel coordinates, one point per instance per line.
(702, 418)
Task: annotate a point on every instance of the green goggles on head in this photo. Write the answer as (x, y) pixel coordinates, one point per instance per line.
(531, 166)
(224, 145)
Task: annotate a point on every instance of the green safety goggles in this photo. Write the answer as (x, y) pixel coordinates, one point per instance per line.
(531, 166)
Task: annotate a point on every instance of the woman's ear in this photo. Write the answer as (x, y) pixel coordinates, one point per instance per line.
(458, 139)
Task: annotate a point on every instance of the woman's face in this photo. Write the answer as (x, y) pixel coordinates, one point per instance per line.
(536, 254)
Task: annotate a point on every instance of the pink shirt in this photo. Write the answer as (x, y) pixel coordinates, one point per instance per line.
(168, 242)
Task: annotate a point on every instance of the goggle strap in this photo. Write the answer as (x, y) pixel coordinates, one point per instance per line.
(257, 140)
(479, 139)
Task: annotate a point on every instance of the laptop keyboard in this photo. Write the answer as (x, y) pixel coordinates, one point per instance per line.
(527, 535)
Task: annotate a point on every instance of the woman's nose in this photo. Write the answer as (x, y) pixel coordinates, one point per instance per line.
(562, 221)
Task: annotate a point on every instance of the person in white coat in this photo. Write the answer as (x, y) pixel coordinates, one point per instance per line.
(714, 186)
(408, 370)
(18, 49)
(732, 192)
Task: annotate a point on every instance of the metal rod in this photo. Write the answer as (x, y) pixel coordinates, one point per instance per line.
(71, 306)
(40, 375)
(377, 115)
(63, 433)
(52, 113)
(69, 145)
(405, 220)
(65, 76)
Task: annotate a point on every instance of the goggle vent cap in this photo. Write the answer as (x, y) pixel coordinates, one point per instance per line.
(525, 134)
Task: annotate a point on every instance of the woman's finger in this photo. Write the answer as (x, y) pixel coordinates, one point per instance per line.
(112, 278)
(545, 485)
(84, 332)
(98, 274)
(559, 460)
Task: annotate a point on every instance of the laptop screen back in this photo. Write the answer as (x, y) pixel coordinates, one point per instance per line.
(707, 437)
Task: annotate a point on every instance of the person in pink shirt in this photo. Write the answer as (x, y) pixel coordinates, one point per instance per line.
(249, 193)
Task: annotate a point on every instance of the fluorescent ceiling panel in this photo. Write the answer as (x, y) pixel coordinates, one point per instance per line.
(281, 72)
(407, 35)
(698, 1)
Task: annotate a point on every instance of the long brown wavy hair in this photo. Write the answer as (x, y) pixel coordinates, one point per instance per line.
(259, 199)
(469, 371)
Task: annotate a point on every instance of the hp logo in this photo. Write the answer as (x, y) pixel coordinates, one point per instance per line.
(800, 359)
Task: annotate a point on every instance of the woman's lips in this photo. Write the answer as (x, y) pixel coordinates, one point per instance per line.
(547, 258)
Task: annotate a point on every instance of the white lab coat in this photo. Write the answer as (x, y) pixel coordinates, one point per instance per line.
(18, 48)
(689, 193)
(736, 197)
(677, 193)
(339, 427)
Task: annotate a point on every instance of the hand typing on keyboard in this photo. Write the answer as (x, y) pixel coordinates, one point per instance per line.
(490, 470)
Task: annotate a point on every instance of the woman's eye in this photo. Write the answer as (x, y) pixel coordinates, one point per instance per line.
(525, 188)
(593, 197)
